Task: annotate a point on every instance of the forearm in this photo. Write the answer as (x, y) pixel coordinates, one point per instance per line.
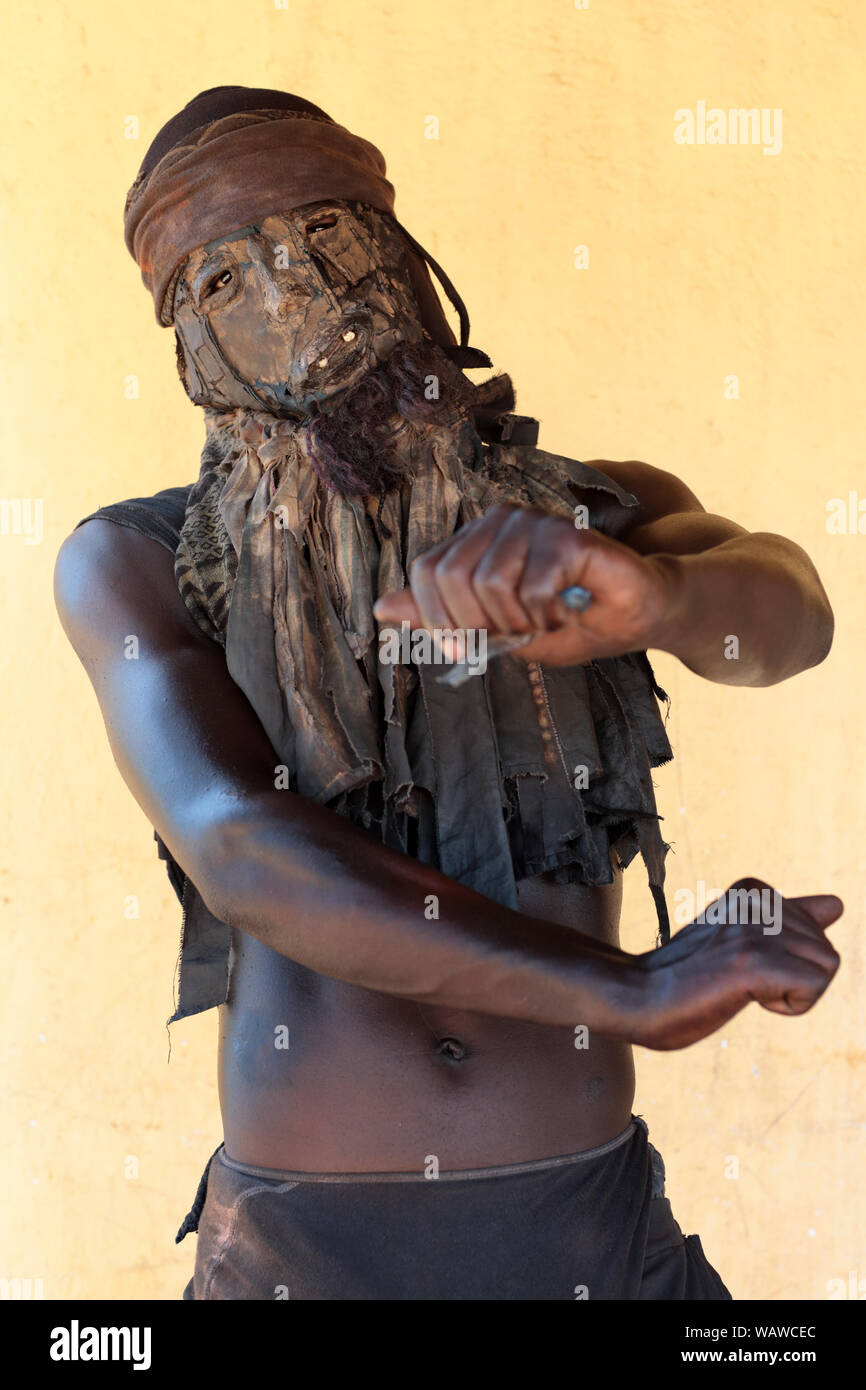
(320, 890)
(751, 611)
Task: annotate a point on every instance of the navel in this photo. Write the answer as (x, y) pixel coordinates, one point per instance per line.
(451, 1048)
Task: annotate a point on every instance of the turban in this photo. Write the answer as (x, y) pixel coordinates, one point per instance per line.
(235, 155)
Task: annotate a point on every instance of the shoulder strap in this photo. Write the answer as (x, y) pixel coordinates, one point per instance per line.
(160, 517)
(546, 467)
(556, 482)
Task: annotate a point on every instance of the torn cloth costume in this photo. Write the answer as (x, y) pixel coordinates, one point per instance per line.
(524, 770)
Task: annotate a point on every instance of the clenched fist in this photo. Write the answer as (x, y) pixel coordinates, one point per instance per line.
(504, 573)
(712, 969)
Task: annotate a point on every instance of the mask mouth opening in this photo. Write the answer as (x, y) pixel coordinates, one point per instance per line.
(344, 348)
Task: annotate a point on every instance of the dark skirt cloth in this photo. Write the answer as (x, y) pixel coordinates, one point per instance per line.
(587, 1226)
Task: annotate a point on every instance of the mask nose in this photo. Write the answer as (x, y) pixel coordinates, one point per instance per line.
(288, 289)
(282, 298)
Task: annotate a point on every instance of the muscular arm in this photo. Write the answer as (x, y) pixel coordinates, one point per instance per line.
(321, 891)
(726, 582)
(735, 607)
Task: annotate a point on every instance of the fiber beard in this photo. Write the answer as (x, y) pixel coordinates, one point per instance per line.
(368, 440)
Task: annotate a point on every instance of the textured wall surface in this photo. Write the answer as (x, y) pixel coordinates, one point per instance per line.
(711, 326)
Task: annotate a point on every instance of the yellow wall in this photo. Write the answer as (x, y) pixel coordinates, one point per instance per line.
(555, 130)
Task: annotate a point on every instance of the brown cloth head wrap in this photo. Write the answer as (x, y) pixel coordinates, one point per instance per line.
(235, 155)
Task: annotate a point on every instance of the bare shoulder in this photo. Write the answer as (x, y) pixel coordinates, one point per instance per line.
(659, 492)
(107, 577)
(185, 738)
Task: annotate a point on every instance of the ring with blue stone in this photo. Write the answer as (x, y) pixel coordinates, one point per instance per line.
(576, 597)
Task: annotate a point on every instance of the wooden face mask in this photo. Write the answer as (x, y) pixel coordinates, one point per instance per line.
(294, 311)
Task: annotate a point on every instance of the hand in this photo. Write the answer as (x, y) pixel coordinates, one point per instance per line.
(504, 571)
(711, 970)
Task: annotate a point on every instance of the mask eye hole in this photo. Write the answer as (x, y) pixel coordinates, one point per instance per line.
(215, 282)
(219, 280)
(321, 222)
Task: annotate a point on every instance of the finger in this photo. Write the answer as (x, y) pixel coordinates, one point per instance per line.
(822, 908)
(790, 1006)
(795, 1002)
(812, 947)
(432, 608)
(771, 934)
(791, 922)
(557, 558)
(499, 572)
(751, 902)
(397, 607)
(497, 544)
(791, 989)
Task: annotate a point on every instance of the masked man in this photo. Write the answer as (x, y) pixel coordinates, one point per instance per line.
(400, 854)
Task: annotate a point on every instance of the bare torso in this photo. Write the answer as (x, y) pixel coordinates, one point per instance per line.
(370, 1083)
(365, 1084)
